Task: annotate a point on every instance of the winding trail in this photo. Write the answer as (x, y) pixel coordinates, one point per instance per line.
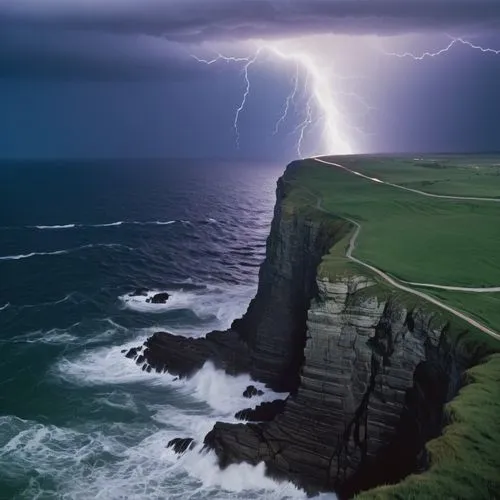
(397, 186)
(396, 283)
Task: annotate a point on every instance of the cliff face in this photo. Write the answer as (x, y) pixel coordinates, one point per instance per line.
(269, 340)
(371, 393)
(274, 326)
(369, 375)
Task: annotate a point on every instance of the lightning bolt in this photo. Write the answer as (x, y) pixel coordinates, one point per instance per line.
(454, 41)
(302, 127)
(248, 62)
(317, 86)
(290, 99)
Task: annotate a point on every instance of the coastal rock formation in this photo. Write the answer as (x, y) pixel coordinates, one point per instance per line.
(269, 340)
(265, 412)
(368, 372)
(252, 391)
(180, 445)
(159, 298)
(373, 385)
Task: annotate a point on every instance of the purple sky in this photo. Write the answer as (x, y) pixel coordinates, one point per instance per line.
(116, 77)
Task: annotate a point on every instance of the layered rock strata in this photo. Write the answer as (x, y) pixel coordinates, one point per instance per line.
(372, 389)
(368, 373)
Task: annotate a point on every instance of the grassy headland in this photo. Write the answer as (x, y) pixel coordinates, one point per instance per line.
(410, 236)
(427, 240)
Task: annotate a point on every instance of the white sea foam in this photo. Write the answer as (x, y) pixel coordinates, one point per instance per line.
(100, 462)
(105, 224)
(110, 224)
(54, 336)
(61, 252)
(158, 470)
(120, 400)
(106, 365)
(212, 302)
(222, 392)
(32, 254)
(131, 460)
(76, 335)
(64, 226)
(5, 306)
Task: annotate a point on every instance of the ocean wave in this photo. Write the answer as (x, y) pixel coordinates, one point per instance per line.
(5, 306)
(215, 303)
(66, 298)
(62, 252)
(81, 333)
(106, 224)
(110, 224)
(126, 460)
(65, 226)
(197, 468)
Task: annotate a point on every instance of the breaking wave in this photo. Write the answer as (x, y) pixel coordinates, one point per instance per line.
(62, 252)
(216, 303)
(106, 224)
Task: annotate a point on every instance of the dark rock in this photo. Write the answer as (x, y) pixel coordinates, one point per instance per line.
(148, 369)
(132, 353)
(123, 351)
(139, 292)
(180, 445)
(252, 391)
(140, 359)
(183, 356)
(265, 412)
(159, 298)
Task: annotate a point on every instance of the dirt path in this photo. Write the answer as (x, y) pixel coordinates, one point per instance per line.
(396, 283)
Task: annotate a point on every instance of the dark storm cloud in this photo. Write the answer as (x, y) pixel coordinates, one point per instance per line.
(195, 20)
(65, 54)
(117, 37)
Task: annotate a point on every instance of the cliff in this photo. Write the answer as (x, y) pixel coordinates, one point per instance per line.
(370, 370)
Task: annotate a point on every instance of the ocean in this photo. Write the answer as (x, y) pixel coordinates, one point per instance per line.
(78, 420)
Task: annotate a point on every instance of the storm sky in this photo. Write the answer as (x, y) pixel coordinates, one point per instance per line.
(116, 78)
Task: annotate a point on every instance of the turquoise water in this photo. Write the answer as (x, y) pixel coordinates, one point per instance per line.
(77, 419)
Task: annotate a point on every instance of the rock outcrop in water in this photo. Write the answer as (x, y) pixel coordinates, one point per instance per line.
(368, 374)
(158, 298)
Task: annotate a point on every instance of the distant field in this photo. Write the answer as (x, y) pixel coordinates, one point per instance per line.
(451, 175)
(485, 306)
(413, 237)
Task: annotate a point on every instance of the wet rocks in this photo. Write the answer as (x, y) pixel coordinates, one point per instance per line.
(132, 353)
(159, 298)
(252, 391)
(183, 356)
(265, 412)
(181, 445)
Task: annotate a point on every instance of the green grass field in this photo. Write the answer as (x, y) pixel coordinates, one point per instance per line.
(413, 237)
(421, 239)
(465, 175)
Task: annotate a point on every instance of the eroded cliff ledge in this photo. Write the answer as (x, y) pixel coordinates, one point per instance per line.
(369, 369)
